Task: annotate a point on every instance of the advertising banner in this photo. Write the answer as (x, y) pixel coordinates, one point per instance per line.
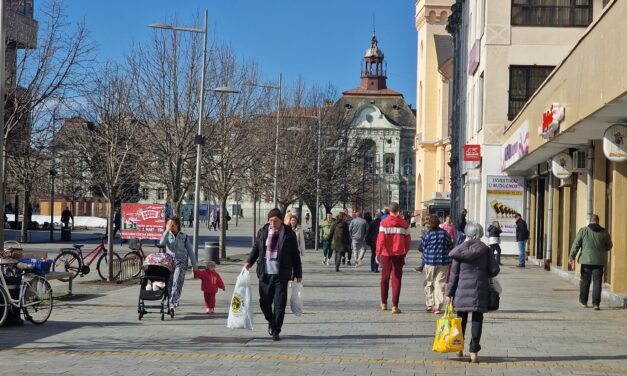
(505, 197)
(143, 221)
(472, 153)
(203, 213)
(516, 147)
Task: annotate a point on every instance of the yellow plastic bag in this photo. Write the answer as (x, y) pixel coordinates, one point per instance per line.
(448, 333)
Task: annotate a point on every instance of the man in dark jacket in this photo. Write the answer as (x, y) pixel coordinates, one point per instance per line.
(522, 236)
(590, 250)
(371, 239)
(276, 249)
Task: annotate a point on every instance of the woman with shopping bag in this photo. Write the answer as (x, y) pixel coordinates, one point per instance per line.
(469, 287)
(278, 261)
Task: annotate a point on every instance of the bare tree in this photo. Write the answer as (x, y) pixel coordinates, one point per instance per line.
(168, 78)
(42, 81)
(110, 141)
(230, 129)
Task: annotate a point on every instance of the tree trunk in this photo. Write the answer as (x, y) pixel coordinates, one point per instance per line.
(25, 219)
(223, 224)
(110, 214)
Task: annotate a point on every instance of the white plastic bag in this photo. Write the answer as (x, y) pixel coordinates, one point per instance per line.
(296, 300)
(241, 310)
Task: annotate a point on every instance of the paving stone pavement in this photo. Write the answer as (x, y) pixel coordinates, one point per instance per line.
(540, 330)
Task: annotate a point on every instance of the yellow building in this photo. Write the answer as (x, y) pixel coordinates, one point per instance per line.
(432, 143)
(557, 143)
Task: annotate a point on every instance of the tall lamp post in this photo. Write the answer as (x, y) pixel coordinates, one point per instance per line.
(52, 173)
(199, 139)
(2, 82)
(279, 88)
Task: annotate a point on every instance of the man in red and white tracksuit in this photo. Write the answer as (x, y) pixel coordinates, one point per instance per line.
(392, 246)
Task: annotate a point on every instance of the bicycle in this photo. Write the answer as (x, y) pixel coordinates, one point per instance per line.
(72, 260)
(35, 294)
(137, 254)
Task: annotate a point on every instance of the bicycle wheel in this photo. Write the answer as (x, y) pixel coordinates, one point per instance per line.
(4, 306)
(67, 261)
(138, 260)
(37, 299)
(103, 265)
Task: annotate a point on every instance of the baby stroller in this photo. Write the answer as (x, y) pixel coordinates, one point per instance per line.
(155, 283)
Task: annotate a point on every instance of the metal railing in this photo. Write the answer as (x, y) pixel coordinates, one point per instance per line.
(126, 269)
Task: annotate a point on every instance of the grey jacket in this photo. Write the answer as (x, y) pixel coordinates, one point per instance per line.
(473, 263)
(179, 247)
(358, 229)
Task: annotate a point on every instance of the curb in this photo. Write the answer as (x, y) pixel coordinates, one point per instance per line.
(617, 300)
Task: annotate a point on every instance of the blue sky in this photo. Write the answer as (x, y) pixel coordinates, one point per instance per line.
(322, 40)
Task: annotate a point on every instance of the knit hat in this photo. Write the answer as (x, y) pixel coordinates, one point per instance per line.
(275, 213)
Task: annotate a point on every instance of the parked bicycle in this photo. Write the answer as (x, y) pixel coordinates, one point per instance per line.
(72, 260)
(35, 294)
(137, 254)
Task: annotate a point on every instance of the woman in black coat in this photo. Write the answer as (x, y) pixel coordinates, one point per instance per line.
(371, 239)
(469, 287)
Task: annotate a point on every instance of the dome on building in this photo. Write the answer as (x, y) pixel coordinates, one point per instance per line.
(374, 50)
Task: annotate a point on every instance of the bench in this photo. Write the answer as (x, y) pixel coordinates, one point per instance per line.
(58, 275)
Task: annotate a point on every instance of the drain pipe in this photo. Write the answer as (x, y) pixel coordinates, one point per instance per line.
(549, 227)
(590, 180)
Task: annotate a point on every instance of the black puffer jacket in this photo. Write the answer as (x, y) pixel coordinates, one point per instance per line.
(473, 263)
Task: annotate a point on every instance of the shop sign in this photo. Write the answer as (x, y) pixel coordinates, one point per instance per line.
(472, 153)
(474, 57)
(505, 197)
(614, 146)
(143, 221)
(562, 166)
(551, 121)
(516, 147)
(473, 176)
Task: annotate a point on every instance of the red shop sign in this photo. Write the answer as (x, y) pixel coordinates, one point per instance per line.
(143, 221)
(472, 153)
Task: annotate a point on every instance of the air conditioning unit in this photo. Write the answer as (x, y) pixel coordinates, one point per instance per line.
(579, 161)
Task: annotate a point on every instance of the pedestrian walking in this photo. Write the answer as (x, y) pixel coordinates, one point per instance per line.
(469, 286)
(436, 245)
(210, 283)
(358, 229)
(449, 227)
(213, 219)
(278, 261)
(307, 217)
(373, 234)
(349, 252)
(392, 246)
(590, 250)
(66, 215)
(494, 239)
(190, 218)
(288, 217)
(340, 238)
(522, 236)
(412, 221)
(425, 229)
(325, 232)
(386, 213)
(300, 236)
(461, 224)
(179, 246)
(368, 218)
(117, 221)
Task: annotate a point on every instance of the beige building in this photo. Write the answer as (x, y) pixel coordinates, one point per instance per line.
(509, 49)
(586, 137)
(432, 143)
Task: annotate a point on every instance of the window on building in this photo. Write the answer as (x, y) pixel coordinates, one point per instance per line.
(389, 164)
(408, 166)
(145, 193)
(160, 194)
(480, 103)
(551, 12)
(523, 82)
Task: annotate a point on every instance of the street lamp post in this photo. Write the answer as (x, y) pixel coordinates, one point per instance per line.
(53, 173)
(198, 140)
(279, 88)
(2, 83)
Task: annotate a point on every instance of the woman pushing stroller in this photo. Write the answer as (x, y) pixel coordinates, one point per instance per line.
(179, 246)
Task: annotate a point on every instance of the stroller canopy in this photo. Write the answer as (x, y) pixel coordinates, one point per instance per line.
(159, 259)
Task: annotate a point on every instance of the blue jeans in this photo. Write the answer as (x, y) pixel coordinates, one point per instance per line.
(326, 248)
(522, 245)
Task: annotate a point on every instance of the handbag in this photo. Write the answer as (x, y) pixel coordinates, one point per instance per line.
(494, 298)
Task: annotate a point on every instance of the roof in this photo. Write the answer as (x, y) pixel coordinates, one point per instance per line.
(359, 91)
(443, 48)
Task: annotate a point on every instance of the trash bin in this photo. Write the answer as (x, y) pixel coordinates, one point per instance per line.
(212, 252)
(66, 234)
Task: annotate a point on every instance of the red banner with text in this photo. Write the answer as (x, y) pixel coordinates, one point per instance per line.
(143, 221)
